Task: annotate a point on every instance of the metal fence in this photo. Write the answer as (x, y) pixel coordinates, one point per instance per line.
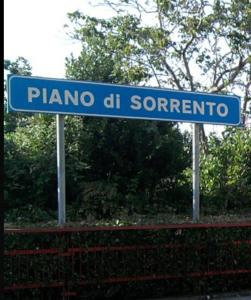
(71, 260)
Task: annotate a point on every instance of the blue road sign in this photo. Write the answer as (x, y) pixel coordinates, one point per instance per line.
(47, 95)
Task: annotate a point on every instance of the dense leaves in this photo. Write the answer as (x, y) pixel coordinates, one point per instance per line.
(129, 164)
(12, 120)
(108, 53)
(226, 171)
(30, 164)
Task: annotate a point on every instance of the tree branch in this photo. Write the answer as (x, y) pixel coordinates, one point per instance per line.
(218, 61)
(170, 70)
(235, 72)
(189, 75)
(154, 73)
(247, 98)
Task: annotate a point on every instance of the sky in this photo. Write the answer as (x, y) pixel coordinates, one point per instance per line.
(35, 30)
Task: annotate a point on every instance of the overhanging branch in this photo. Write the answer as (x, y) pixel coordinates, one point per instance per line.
(170, 70)
(189, 75)
(234, 73)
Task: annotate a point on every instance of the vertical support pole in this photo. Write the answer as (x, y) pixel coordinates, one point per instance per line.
(196, 172)
(61, 169)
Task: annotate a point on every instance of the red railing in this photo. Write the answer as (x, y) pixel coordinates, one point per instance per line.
(74, 257)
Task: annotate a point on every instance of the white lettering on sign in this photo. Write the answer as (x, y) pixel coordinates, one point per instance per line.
(162, 104)
(174, 105)
(199, 107)
(87, 96)
(33, 93)
(183, 106)
(69, 97)
(149, 103)
(223, 113)
(112, 101)
(186, 106)
(118, 101)
(44, 96)
(211, 105)
(53, 96)
(136, 104)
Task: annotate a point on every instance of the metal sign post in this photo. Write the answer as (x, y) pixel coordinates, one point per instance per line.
(196, 172)
(61, 169)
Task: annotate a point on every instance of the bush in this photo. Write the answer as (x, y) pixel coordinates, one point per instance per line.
(226, 171)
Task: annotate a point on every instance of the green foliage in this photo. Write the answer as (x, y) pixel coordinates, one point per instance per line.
(125, 164)
(226, 170)
(12, 120)
(20, 66)
(30, 164)
(108, 54)
(27, 214)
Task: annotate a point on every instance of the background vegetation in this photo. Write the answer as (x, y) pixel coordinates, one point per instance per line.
(121, 167)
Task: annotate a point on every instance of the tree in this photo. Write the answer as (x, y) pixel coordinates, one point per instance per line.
(130, 163)
(125, 161)
(29, 146)
(195, 45)
(12, 120)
